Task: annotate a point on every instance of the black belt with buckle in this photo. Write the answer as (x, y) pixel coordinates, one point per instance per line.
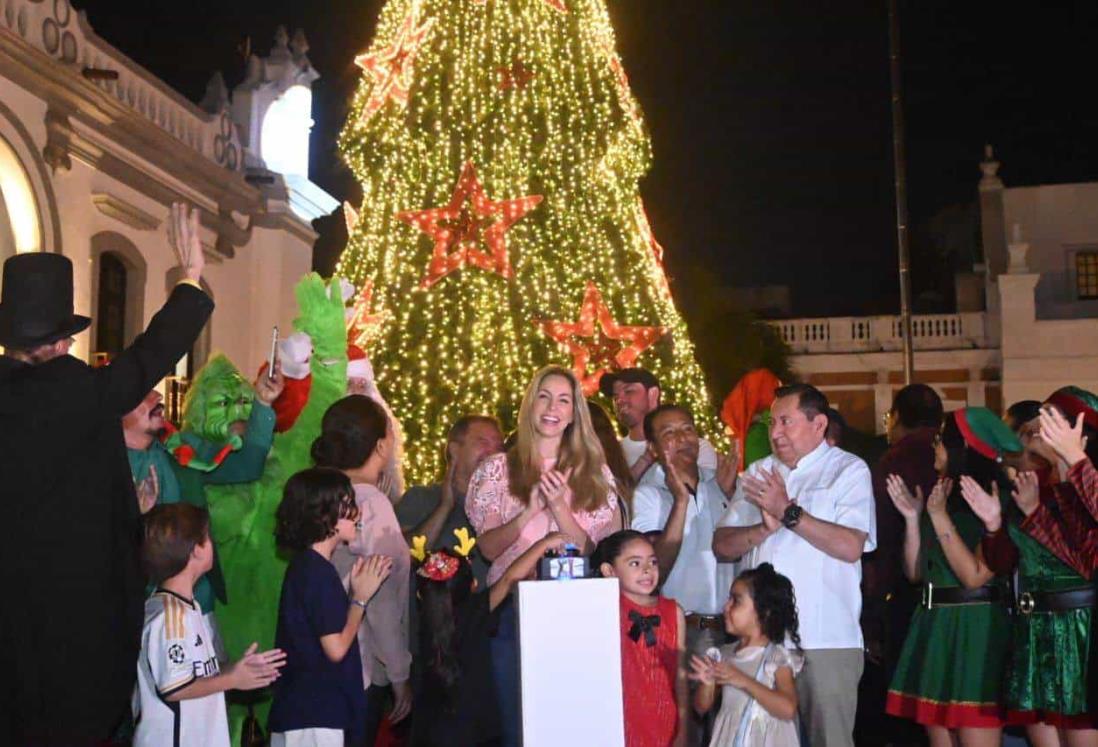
(950, 596)
(705, 622)
(1036, 602)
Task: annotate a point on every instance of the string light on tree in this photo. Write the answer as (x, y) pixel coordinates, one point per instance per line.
(470, 222)
(557, 5)
(570, 148)
(597, 343)
(625, 94)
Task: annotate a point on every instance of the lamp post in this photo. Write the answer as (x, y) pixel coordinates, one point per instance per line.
(899, 157)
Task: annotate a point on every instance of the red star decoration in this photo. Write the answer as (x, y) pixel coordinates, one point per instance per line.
(598, 343)
(557, 5)
(391, 68)
(469, 223)
(516, 76)
(365, 325)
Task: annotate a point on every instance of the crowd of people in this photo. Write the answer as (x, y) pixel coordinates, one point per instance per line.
(795, 597)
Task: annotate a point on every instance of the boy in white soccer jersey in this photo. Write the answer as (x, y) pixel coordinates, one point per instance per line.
(179, 699)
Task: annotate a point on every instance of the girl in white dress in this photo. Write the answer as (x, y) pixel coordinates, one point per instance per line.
(758, 694)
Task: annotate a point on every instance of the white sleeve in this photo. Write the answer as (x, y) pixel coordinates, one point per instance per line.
(170, 652)
(647, 509)
(707, 455)
(740, 512)
(854, 506)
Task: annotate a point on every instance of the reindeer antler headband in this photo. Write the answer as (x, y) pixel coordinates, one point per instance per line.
(441, 566)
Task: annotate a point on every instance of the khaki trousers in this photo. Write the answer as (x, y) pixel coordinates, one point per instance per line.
(827, 691)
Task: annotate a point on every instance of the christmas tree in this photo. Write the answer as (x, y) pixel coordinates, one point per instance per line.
(499, 148)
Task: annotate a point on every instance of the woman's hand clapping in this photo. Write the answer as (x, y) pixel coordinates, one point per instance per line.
(553, 487)
(1026, 493)
(909, 506)
(985, 506)
(1067, 440)
(936, 503)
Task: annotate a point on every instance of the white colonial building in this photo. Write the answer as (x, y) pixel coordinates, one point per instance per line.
(1033, 328)
(94, 148)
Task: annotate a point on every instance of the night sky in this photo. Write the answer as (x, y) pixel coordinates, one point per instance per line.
(770, 120)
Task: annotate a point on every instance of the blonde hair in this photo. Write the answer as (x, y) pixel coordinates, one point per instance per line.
(580, 449)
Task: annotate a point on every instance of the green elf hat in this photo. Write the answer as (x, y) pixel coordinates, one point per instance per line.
(985, 433)
(1072, 400)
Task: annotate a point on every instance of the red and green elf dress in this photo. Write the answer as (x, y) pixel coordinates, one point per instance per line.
(951, 667)
(1047, 674)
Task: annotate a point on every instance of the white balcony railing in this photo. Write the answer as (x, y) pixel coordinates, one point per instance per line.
(860, 334)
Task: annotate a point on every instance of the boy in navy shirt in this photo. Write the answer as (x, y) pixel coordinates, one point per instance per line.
(320, 698)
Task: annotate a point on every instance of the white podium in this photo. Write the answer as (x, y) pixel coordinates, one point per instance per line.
(570, 663)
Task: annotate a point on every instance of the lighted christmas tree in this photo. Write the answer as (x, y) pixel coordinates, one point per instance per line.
(499, 149)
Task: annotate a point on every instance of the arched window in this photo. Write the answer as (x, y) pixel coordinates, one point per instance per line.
(118, 294)
(20, 223)
(285, 135)
(200, 353)
(110, 315)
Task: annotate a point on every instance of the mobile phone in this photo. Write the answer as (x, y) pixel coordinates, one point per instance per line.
(274, 352)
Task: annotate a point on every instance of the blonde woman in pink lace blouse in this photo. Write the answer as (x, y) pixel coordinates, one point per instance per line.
(553, 479)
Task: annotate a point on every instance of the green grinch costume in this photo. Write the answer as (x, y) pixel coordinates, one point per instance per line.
(206, 453)
(242, 517)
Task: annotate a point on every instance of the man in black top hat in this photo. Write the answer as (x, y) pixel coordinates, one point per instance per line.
(71, 619)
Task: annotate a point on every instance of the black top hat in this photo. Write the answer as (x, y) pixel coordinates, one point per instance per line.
(36, 302)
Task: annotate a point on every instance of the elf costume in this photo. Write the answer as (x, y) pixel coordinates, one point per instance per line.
(1049, 661)
(952, 663)
(1052, 654)
(242, 517)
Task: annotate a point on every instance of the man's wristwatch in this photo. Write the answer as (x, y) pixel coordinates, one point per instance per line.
(358, 603)
(792, 515)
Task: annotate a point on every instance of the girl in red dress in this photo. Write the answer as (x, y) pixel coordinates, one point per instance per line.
(653, 643)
